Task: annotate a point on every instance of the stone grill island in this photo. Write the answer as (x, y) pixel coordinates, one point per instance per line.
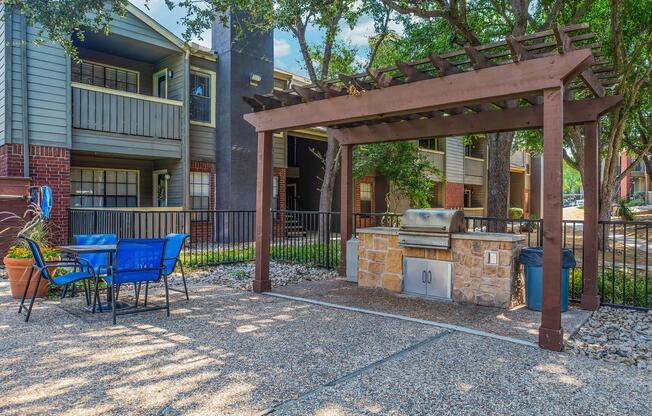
(479, 268)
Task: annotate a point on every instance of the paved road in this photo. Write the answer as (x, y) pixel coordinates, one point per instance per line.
(230, 352)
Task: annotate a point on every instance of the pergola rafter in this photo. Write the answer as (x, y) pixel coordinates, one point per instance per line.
(517, 83)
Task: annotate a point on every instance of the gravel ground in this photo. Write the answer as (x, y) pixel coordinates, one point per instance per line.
(230, 352)
(468, 375)
(616, 334)
(240, 276)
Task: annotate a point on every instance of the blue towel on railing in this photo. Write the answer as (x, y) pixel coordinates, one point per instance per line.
(46, 201)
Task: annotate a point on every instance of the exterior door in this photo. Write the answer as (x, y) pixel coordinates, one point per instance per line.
(291, 197)
(160, 188)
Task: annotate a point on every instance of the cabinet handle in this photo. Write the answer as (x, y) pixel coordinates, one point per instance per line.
(423, 276)
(429, 276)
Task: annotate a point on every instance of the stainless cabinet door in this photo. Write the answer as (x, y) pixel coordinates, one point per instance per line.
(439, 275)
(414, 275)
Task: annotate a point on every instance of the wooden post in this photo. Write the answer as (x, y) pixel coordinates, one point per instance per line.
(346, 202)
(590, 297)
(262, 283)
(550, 331)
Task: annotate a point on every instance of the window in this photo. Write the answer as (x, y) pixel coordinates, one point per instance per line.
(275, 193)
(108, 188)
(202, 97)
(280, 84)
(200, 190)
(105, 76)
(432, 144)
(365, 197)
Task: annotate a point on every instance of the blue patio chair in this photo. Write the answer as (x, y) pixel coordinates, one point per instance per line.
(172, 254)
(83, 271)
(136, 261)
(94, 259)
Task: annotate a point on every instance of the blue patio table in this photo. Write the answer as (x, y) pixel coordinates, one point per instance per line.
(76, 250)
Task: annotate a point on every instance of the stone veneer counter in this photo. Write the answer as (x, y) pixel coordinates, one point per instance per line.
(380, 265)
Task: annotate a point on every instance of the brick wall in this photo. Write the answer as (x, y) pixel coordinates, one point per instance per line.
(203, 230)
(282, 183)
(47, 166)
(453, 195)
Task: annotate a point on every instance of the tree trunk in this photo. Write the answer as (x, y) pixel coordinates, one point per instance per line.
(499, 155)
(331, 168)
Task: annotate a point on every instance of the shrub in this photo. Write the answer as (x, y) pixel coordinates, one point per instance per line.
(515, 213)
(624, 211)
(22, 252)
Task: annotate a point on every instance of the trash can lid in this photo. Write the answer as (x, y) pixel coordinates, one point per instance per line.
(533, 256)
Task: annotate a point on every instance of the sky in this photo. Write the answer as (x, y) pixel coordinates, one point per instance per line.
(287, 54)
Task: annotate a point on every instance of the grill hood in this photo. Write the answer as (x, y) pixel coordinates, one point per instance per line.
(430, 228)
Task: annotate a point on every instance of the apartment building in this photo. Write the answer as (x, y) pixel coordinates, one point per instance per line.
(637, 184)
(145, 121)
(131, 124)
(464, 170)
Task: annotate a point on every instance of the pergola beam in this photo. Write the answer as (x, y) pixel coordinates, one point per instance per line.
(564, 45)
(521, 118)
(509, 81)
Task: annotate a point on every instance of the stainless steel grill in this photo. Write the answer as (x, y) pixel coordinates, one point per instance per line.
(430, 228)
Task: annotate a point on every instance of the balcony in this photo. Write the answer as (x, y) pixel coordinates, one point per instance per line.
(518, 158)
(435, 157)
(124, 113)
(473, 170)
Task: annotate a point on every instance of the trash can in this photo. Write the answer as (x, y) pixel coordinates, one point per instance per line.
(532, 259)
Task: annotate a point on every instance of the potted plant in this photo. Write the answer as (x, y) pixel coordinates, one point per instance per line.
(19, 259)
(19, 262)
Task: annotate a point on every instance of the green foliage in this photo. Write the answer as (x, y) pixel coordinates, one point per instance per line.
(310, 253)
(624, 211)
(572, 180)
(636, 202)
(615, 287)
(61, 21)
(515, 213)
(403, 165)
(342, 60)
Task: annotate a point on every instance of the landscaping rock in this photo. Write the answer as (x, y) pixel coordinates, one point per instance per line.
(241, 276)
(615, 334)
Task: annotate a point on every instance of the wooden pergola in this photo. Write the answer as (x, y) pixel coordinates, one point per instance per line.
(520, 83)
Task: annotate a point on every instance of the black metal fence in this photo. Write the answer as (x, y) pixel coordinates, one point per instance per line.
(219, 237)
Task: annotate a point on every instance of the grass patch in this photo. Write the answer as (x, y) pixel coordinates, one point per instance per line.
(316, 254)
(616, 287)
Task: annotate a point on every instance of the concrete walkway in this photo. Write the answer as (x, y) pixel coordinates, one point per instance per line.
(231, 352)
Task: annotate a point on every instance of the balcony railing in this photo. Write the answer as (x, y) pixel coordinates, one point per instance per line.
(112, 111)
(473, 170)
(436, 157)
(518, 158)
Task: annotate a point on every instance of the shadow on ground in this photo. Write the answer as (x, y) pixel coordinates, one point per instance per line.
(232, 352)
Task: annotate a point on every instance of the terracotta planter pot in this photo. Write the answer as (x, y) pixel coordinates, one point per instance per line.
(18, 271)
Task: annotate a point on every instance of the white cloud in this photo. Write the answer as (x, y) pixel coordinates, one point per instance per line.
(282, 48)
(360, 34)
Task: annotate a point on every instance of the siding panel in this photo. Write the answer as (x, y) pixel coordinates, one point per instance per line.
(111, 113)
(455, 159)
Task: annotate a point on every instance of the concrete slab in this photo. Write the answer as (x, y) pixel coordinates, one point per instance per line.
(520, 323)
